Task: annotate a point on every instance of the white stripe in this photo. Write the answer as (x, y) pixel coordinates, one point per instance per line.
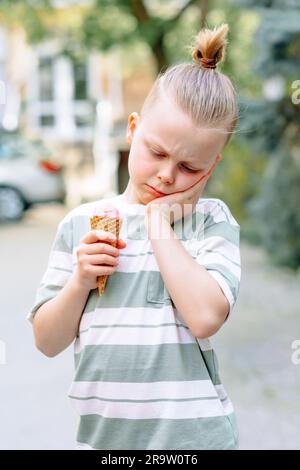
(157, 410)
(224, 286)
(59, 259)
(144, 391)
(87, 209)
(55, 277)
(83, 446)
(138, 255)
(129, 316)
(133, 257)
(227, 406)
(220, 245)
(133, 336)
(204, 344)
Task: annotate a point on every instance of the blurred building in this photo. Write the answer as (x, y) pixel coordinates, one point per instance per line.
(80, 106)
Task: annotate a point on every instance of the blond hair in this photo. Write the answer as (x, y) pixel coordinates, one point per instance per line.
(206, 95)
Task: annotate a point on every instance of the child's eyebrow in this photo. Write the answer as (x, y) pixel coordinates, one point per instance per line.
(157, 144)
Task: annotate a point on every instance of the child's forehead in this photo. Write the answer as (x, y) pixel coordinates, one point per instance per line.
(168, 112)
(169, 127)
(167, 137)
(173, 123)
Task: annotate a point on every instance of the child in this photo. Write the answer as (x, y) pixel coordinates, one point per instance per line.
(146, 376)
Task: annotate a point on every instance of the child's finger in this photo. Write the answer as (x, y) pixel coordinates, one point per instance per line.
(121, 243)
(96, 235)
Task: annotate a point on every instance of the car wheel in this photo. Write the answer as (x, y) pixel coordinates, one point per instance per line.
(12, 204)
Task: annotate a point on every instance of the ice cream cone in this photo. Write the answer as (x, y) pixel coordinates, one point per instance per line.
(111, 222)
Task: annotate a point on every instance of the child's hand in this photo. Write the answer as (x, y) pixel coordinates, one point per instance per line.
(96, 257)
(177, 205)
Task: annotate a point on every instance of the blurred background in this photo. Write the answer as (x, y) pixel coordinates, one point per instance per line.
(70, 74)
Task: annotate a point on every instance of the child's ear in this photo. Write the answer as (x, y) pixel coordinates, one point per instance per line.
(131, 126)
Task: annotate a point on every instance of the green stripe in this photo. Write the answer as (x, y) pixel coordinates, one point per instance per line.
(211, 362)
(144, 289)
(124, 325)
(143, 363)
(44, 293)
(130, 290)
(39, 302)
(225, 230)
(157, 434)
(157, 400)
(63, 241)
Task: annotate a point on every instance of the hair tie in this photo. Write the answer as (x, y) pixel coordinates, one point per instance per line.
(208, 63)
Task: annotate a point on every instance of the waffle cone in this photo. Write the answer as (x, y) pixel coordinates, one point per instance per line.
(108, 224)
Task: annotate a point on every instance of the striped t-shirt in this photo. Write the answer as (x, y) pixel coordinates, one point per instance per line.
(142, 380)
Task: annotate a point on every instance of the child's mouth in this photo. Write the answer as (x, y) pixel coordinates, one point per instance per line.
(156, 192)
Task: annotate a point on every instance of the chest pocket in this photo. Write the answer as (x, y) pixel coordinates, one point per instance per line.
(156, 290)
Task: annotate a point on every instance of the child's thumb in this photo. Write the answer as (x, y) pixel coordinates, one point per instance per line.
(121, 243)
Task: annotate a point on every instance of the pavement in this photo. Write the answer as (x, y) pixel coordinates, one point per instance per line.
(254, 349)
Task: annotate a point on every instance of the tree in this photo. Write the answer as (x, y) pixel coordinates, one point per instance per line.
(122, 21)
(272, 126)
(106, 23)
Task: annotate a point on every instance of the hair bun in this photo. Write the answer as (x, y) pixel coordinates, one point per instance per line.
(209, 47)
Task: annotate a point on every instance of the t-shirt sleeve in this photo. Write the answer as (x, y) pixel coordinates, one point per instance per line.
(59, 268)
(219, 251)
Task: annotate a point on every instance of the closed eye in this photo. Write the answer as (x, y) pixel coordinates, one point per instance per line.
(161, 155)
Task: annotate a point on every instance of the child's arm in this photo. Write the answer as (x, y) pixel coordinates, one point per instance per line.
(56, 322)
(195, 293)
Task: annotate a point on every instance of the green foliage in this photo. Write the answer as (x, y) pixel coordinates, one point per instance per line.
(273, 128)
(237, 177)
(181, 35)
(276, 211)
(30, 14)
(100, 31)
(277, 56)
(268, 3)
(255, 128)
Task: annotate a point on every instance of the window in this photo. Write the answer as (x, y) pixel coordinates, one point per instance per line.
(46, 79)
(80, 81)
(46, 120)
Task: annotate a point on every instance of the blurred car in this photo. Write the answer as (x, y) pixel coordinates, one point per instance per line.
(28, 175)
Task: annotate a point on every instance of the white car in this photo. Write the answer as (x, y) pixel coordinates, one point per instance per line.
(27, 176)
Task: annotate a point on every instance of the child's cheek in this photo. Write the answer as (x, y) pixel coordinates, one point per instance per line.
(142, 168)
